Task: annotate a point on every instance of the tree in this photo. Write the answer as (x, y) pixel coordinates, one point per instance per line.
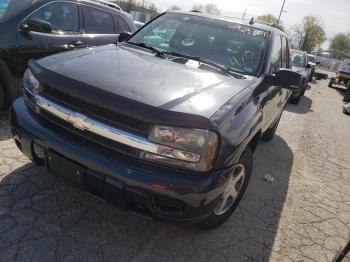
(310, 33)
(340, 43)
(175, 7)
(198, 8)
(208, 8)
(153, 7)
(212, 9)
(268, 18)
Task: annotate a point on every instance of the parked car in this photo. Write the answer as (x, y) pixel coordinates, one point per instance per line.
(166, 132)
(342, 75)
(300, 65)
(312, 63)
(138, 24)
(38, 28)
(346, 108)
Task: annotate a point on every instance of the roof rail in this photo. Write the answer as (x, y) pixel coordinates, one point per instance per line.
(108, 3)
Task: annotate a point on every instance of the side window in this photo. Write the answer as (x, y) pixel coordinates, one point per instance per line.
(98, 21)
(123, 25)
(276, 54)
(63, 17)
(285, 53)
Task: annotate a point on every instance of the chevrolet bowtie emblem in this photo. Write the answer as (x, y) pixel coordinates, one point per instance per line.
(79, 121)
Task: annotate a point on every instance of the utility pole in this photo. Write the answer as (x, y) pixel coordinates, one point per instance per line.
(279, 18)
(245, 11)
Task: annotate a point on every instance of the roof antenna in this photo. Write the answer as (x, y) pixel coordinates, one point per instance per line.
(251, 22)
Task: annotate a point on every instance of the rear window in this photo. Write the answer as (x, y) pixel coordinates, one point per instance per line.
(311, 58)
(10, 8)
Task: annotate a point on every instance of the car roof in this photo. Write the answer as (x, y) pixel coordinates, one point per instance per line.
(237, 20)
(102, 3)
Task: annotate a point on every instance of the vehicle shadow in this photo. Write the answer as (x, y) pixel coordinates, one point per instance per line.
(302, 108)
(42, 217)
(4, 126)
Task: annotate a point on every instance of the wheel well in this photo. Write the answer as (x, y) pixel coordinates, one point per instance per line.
(255, 141)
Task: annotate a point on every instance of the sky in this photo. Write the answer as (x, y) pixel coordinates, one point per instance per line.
(334, 13)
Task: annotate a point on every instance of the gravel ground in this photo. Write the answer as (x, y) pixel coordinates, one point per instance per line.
(302, 215)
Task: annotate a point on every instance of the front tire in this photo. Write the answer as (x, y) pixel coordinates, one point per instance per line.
(233, 193)
(296, 100)
(331, 82)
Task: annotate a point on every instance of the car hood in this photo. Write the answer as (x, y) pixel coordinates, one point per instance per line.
(139, 75)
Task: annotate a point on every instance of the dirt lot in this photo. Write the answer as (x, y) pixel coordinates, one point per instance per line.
(303, 215)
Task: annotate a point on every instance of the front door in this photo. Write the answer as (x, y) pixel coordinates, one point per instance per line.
(64, 18)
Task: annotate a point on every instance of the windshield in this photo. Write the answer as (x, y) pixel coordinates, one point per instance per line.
(345, 66)
(235, 46)
(299, 59)
(311, 59)
(10, 8)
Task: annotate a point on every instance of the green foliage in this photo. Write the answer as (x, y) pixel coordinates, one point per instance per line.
(153, 7)
(310, 33)
(175, 7)
(137, 5)
(268, 18)
(208, 8)
(340, 44)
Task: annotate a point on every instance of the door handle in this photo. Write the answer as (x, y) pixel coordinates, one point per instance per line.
(76, 43)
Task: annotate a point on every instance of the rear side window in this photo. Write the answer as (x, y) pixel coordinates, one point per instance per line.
(63, 17)
(276, 54)
(98, 21)
(123, 25)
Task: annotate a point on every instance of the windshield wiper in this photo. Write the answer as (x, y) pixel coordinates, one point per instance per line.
(147, 46)
(224, 69)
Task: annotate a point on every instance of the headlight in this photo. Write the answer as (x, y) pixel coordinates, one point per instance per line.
(30, 83)
(192, 149)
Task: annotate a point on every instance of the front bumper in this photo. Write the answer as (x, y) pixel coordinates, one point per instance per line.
(125, 182)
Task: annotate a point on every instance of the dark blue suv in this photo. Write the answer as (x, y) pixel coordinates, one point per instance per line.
(164, 124)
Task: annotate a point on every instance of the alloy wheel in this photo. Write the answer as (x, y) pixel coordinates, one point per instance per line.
(232, 190)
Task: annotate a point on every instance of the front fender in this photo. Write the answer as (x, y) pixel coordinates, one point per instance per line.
(237, 131)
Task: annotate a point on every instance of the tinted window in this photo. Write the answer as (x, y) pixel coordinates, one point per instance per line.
(98, 21)
(63, 17)
(276, 55)
(235, 46)
(123, 25)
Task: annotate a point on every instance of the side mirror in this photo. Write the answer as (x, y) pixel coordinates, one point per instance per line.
(37, 25)
(124, 36)
(288, 79)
